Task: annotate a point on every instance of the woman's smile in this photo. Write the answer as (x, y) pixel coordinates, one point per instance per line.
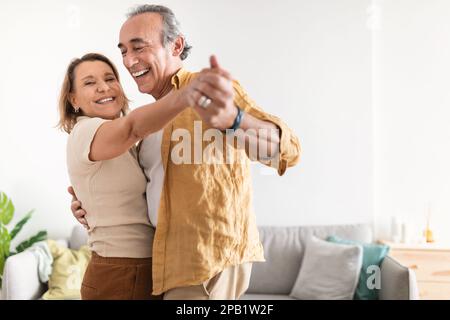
(106, 100)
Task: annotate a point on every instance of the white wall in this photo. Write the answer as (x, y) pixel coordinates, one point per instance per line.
(412, 115)
(307, 61)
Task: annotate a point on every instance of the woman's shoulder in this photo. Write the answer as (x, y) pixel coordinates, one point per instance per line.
(80, 139)
(84, 131)
(85, 123)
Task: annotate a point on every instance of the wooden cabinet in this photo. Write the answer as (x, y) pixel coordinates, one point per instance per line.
(430, 263)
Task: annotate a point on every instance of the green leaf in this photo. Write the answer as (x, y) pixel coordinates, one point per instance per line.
(2, 266)
(6, 208)
(20, 224)
(5, 241)
(40, 236)
(2, 260)
(4, 247)
(2, 251)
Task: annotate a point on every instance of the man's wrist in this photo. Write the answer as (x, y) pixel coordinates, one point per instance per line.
(237, 120)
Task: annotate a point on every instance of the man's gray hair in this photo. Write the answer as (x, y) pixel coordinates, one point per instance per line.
(171, 26)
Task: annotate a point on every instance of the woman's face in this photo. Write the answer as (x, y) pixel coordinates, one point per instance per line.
(97, 92)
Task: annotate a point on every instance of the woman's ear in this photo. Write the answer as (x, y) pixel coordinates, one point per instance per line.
(178, 46)
(72, 100)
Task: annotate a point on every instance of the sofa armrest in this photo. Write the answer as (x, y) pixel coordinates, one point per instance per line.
(397, 281)
(21, 279)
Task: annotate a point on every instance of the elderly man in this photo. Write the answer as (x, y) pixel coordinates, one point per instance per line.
(199, 198)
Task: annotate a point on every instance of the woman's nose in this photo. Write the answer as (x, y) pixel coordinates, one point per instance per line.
(102, 87)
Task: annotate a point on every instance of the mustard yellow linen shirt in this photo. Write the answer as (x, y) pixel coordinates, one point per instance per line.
(205, 218)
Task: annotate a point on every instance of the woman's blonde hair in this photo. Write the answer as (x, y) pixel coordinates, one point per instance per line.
(67, 114)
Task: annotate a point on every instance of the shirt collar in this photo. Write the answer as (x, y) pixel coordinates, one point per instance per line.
(179, 78)
(79, 118)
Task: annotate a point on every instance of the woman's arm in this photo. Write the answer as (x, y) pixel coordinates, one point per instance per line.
(115, 137)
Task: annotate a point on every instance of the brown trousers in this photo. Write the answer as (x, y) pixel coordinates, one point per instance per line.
(118, 279)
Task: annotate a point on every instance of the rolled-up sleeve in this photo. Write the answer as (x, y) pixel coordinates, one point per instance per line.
(290, 149)
(81, 138)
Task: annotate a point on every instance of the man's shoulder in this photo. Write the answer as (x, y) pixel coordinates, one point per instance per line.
(185, 76)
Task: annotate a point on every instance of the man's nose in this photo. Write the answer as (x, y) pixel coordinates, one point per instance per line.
(130, 60)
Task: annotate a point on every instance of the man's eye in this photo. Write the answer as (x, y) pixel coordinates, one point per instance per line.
(111, 79)
(88, 83)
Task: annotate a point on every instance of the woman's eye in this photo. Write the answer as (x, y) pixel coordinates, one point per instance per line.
(110, 79)
(88, 83)
(139, 49)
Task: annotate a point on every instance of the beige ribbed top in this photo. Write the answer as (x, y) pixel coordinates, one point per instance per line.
(113, 194)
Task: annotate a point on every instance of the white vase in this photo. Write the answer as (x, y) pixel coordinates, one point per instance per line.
(396, 229)
(406, 233)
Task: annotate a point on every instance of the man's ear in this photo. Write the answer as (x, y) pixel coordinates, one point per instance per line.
(178, 46)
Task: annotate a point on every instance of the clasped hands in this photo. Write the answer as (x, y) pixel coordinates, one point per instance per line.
(211, 94)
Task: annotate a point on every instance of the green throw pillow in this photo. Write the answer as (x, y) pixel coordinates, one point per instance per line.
(68, 270)
(373, 255)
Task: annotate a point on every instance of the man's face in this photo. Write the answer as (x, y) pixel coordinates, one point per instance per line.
(149, 63)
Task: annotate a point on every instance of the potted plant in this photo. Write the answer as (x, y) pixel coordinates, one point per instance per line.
(6, 236)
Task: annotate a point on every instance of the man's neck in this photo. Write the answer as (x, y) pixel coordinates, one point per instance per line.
(164, 89)
(167, 85)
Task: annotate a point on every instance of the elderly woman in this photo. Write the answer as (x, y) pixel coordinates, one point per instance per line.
(105, 174)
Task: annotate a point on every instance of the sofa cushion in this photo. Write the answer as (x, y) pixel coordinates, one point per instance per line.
(373, 255)
(69, 266)
(329, 271)
(284, 248)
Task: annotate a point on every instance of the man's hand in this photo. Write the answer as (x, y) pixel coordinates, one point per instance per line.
(262, 143)
(77, 211)
(216, 84)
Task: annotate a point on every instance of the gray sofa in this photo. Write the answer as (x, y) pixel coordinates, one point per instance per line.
(272, 280)
(284, 248)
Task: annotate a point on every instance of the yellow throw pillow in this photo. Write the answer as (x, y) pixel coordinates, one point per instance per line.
(68, 271)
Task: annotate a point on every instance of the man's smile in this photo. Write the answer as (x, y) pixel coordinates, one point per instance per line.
(140, 73)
